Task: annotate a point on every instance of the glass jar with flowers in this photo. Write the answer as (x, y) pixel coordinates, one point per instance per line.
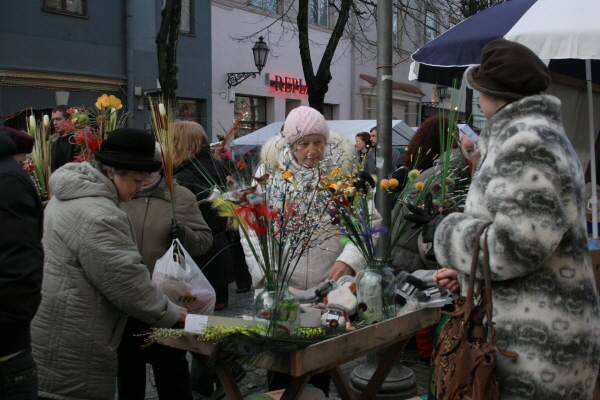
(279, 220)
(351, 208)
(375, 292)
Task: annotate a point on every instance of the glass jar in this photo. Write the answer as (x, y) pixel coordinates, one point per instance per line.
(375, 293)
(278, 309)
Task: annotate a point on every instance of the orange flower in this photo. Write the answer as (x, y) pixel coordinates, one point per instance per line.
(287, 175)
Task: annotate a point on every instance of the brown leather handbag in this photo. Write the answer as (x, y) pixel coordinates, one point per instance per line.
(464, 358)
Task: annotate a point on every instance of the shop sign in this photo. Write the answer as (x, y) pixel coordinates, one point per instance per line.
(288, 85)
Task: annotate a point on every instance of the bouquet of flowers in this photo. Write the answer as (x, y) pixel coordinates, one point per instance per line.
(162, 118)
(90, 126)
(352, 210)
(280, 220)
(39, 167)
(442, 188)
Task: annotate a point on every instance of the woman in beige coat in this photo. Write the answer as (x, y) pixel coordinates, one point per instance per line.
(151, 213)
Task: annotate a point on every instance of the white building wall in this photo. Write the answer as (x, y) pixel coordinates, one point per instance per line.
(230, 20)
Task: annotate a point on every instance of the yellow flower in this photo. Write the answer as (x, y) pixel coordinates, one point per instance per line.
(393, 184)
(102, 102)
(115, 102)
(106, 101)
(419, 185)
(287, 175)
(335, 172)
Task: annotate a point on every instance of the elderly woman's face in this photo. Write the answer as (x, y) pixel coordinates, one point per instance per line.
(129, 184)
(309, 150)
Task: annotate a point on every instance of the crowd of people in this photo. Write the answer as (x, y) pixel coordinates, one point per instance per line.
(75, 271)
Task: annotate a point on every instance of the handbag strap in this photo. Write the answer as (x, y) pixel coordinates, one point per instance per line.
(470, 301)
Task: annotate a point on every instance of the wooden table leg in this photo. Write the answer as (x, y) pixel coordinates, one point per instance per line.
(230, 386)
(382, 371)
(296, 387)
(341, 383)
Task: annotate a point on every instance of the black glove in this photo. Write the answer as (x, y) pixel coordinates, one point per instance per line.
(425, 217)
(178, 232)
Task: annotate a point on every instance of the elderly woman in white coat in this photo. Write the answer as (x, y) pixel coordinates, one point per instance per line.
(305, 143)
(93, 273)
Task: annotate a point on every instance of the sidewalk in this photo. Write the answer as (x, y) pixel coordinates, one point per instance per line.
(255, 380)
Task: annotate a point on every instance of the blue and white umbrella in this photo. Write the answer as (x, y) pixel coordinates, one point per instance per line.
(567, 33)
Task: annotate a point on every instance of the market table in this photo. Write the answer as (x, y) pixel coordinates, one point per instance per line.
(329, 355)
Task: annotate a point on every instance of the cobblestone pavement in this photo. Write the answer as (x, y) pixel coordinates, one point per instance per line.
(255, 380)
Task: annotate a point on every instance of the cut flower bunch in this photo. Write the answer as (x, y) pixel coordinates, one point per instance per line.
(39, 166)
(90, 126)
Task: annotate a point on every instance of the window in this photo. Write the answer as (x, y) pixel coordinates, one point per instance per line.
(256, 113)
(76, 7)
(189, 110)
(290, 104)
(328, 111)
(185, 26)
(431, 26)
(268, 5)
(319, 12)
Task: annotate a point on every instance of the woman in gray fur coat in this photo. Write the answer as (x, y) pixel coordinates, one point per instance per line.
(529, 184)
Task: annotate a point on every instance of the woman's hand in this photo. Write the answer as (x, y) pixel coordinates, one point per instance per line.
(339, 269)
(447, 278)
(182, 315)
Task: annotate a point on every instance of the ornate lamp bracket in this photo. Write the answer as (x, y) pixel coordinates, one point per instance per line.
(235, 78)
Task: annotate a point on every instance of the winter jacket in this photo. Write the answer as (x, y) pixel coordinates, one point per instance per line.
(530, 186)
(200, 175)
(409, 251)
(63, 149)
(152, 216)
(315, 263)
(21, 253)
(93, 278)
(371, 160)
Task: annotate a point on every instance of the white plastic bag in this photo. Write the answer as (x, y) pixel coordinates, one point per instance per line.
(180, 279)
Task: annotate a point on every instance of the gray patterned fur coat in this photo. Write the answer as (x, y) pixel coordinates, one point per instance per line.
(531, 186)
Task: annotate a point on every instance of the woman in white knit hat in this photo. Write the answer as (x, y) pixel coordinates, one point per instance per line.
(306, 147)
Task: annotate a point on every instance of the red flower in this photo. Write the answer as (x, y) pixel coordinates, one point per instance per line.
(94, 144)
(79, 139)
(258, 217)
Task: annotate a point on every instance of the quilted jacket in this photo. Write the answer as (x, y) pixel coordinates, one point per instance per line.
(93, 278)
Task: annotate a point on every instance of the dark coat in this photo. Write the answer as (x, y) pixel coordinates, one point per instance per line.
(200, 176)
(21, 255)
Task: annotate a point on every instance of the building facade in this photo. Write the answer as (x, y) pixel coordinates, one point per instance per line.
(70, 52)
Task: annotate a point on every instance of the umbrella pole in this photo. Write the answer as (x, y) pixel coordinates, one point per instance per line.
(594, 199)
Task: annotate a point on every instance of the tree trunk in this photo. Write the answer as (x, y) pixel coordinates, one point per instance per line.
(318, 84)
(166, 41)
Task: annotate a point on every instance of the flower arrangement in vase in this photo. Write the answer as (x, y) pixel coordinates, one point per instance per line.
(352, 210)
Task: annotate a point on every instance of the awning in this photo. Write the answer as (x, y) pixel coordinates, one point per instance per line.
(46, 80)
(406, 87)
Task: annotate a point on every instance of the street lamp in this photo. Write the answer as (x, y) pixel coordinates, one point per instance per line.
(441, 92)
(260, 51)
